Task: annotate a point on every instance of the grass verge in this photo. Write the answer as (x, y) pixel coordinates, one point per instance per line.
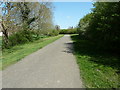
(0, 51)
(0, 41)
(98, 69)
(13, 55)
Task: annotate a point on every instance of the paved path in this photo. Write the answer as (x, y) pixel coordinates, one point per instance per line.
(53, 66)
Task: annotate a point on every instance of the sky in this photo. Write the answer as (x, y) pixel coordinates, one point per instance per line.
(67, 14)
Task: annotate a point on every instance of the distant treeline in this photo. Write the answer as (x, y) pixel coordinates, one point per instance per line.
(68, 31)
(102, 26)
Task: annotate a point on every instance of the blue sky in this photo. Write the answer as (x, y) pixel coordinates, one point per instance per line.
(68, 14)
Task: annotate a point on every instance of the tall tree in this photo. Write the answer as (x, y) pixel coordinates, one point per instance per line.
(6, 20)
(103, 27)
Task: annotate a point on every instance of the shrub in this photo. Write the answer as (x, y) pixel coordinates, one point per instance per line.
(24, 36)
(54, 33)
(68, 31)
(21, 37)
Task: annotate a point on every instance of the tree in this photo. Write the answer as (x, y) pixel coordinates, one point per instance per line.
(83, 24)
(57, 27)
(45, 23)
(25, 16)
(6, 20)
(102, 25)
(71, 27)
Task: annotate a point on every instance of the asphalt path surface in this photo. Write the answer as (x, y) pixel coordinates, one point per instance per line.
(53, 66)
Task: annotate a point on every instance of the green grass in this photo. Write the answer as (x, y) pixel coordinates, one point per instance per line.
(0, 41)
(99, 69)
(13, 55)
(0, 51)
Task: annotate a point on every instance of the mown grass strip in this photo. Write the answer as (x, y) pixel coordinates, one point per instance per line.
(13, 55)
(0, 41)
(98, 69)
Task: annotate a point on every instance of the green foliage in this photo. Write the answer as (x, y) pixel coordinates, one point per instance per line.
(84, 24)
(25, 16)
(16, 53)
(68, 31)
(102, 25)
(0, 41)
(25, 36)
(54, 33)
(22, 37)
(98, 45)
(99, 69)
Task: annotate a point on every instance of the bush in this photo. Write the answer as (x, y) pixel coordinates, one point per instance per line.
(21, 37)
(54, 33)
(24, 36)
(68, 31)
(17, 39)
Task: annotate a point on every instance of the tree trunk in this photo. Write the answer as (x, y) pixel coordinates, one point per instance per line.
(5, 35)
